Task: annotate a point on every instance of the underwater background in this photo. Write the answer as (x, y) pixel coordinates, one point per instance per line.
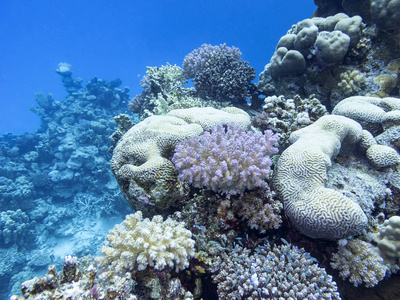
(200, 149)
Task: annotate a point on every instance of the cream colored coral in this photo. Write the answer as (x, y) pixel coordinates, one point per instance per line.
(368, 111)
(351, 82)
(209, 117)
(138, 243)
(358, 261)
(140, 163)
(382, 156)
(300, 175)
(388, 240)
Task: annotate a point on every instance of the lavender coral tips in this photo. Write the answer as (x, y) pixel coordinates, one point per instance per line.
(228, 160)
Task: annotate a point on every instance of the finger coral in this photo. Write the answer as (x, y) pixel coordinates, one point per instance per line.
(136, 244)
(228, 160)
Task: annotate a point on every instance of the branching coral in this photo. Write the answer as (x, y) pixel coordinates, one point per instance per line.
(227, 160)
(258, 209)
(274, 272)
(358, 261)
(136, 244)
(219, 73)
(198, 60)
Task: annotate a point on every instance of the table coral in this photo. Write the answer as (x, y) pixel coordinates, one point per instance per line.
(227, 160)
(137, 244)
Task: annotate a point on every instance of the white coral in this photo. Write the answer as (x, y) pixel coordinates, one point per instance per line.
(358, 261)
(138, 243)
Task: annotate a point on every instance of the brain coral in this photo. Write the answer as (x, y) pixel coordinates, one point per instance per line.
(300, 175)
(137, 243)
(274, 272)
(227, 160)
(370, 112)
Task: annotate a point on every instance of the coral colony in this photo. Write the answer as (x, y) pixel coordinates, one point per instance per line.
(295, 198)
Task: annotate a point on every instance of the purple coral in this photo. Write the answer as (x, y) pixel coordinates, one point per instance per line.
(198, 59)
(228, 160)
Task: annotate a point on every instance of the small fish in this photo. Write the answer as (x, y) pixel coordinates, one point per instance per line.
(290, 277)
(236, 295)
(287, 268)
(213, 242)
(238, 267)
(240, 278)
(236, 259)
(263, 231)
(201, 227)
(240, 243)
(285, 241)
(257, 250)
(268, 279)
(233, 285)
(267, 241)
(263, 247)
(254, 260)
(247, 237)
(223, 243)
(259, 292)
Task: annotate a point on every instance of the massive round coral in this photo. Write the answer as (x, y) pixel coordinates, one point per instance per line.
(228, 160)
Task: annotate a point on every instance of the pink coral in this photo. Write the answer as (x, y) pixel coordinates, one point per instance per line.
(228, 160)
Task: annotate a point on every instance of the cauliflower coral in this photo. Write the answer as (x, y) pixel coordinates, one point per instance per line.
(228, 160)
(136, 244)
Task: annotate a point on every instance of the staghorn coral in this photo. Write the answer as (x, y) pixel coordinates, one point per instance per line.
(136, 244)
(227, 160)
(358, 261)
(274, 272)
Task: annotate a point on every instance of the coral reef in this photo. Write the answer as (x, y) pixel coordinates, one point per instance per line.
(137, 244)
(227, 160)
(358, 261)
(53, 176)
(16, 228)
(141, 160)
(283, 115)
(75, 284)
(273, 272)
(338, 54)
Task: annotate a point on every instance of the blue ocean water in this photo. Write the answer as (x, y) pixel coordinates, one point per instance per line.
(118, 39)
